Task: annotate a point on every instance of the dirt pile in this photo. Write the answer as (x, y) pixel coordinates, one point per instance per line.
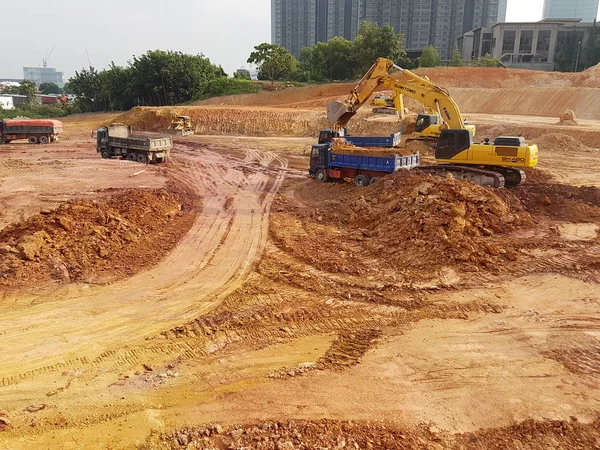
(412, 224)
(331, 434)
(94, 241)
(349, 149)
(561, 143)
(424, 219)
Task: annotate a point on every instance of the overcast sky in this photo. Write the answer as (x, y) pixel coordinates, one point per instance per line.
(224, 30)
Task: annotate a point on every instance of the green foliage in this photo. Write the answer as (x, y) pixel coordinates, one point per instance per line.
(456, 58)
(486, 61)
(273, 61)
(29, 89)
(156, 78)
(340, 59)
(241, 76)
(49, 88)
(589, 53)
(375, 42)
(228, 86)
(35, 112)
(9, 89)
(430, 57)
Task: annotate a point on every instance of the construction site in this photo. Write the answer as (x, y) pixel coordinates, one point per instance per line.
(223, 298)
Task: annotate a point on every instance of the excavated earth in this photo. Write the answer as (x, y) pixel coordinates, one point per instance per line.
(224, 300)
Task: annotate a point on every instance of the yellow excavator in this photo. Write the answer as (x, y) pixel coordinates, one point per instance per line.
(388, 105)
(496, 164)
(181, 126)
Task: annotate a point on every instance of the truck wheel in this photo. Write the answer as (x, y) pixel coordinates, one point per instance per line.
(105, 154)
(132, 157)
(142, 158)
(32, 140)
(320, 176)
(373, 180)
(361, 181)
(44, 140)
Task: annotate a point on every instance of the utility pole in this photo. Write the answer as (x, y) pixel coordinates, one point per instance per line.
(577, 58)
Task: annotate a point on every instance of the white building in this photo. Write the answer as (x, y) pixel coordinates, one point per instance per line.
(6, 102)
(586, 10)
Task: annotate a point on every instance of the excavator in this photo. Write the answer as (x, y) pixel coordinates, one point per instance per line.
(388, 105)
(496, 164)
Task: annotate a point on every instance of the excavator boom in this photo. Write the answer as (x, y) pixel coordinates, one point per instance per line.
(419, 88)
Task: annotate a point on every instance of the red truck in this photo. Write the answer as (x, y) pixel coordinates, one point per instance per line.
(36, 131)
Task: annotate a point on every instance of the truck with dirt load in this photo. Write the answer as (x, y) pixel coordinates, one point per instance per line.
(361, 169)
(328, 135)
(36, 131)
(119, 140)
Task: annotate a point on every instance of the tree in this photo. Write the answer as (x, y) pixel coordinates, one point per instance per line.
(29, 89)
(49, 88)
(430, 57)
(487, 61)
(456, 58)
(273, 61)
(375, 42)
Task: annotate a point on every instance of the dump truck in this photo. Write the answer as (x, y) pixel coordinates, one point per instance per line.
(362, 170)
(36, 131)
(328, 135)
(119, 140)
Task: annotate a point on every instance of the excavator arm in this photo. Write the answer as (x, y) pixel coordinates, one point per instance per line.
(421, 89)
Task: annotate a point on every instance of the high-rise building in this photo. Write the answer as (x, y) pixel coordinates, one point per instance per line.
(42, 75)
(299, 23)
(586, 10)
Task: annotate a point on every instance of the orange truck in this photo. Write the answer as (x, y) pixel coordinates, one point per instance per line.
(36, 131)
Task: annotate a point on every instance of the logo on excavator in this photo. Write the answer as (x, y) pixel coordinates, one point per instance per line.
(447, 113)
(404, 88)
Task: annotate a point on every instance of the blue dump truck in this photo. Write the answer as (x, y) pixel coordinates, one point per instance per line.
(363, 170)
(393, 140)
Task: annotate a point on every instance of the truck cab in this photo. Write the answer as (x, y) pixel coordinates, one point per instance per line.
(318, 159)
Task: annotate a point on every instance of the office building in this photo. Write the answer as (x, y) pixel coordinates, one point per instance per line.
(586, 10)
(525, 45)
(299, 23)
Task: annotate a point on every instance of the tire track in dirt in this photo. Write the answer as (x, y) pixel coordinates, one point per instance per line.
(85, 328)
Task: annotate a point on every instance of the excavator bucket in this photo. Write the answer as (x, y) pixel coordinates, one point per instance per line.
(338, 113)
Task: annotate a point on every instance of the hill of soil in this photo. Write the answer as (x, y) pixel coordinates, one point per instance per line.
(94, 241)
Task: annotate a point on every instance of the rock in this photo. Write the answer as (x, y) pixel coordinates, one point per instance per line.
(130, 237)
(183, 439)
(29, 250)
(546, 200)
(6, 249)
(65, 223)
(102, 252)
(36, 408)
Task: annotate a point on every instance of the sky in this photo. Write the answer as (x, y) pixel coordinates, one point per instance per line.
(113, 30)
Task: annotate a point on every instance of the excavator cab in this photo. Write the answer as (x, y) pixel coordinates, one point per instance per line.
(453, 142)
(424, 121)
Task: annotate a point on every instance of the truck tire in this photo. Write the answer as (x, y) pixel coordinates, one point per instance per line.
(142, 158)
(44, 140)
(373, 180)
(132, 156)
(32, 139)
(105, 154)
(361, 181)
(320, 176)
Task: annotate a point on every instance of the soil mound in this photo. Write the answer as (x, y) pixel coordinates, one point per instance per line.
(93, 241)
(420, 221)
(561, 142)
(349, 149)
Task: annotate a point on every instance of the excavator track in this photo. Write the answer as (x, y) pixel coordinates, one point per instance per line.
(385, 110)
(512, 175)
(482, 177)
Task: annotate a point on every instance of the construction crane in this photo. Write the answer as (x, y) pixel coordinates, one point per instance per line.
(47, 57)
(496, 164)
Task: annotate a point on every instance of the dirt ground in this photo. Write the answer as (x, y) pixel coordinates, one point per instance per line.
(226, 300)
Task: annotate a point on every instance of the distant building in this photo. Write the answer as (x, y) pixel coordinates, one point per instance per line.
(528, 45)
(303, 23)
(586, 10)
(6, 102)
(249, 74)
(43, 75)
